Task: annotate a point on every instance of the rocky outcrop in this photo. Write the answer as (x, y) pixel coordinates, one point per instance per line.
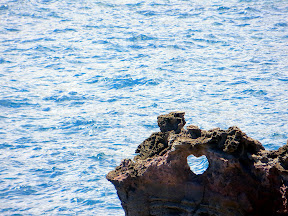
(242, 178)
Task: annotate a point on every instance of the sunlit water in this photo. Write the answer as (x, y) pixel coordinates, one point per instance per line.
(82, 83)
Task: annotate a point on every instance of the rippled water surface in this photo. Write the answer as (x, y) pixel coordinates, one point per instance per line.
(82, 83)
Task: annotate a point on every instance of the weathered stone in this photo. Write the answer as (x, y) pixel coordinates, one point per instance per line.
(173, 121)
(242, 178)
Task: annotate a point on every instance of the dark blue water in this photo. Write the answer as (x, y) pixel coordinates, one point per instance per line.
(82, 82)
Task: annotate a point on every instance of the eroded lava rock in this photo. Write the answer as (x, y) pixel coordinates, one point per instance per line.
(242, 178)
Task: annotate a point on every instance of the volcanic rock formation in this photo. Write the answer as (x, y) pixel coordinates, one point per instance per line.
(242, 178)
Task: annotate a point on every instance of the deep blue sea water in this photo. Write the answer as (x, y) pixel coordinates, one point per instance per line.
(82, 84)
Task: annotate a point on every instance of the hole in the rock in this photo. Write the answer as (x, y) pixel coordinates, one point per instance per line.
(198, 165)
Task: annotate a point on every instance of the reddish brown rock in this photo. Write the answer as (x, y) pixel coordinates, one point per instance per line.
(242, 178)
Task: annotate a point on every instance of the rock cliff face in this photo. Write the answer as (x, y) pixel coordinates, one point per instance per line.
(242, 178)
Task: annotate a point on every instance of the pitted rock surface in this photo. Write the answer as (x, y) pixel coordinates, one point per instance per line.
(242, 178)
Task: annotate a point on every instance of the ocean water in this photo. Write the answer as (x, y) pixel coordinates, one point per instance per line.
(82, 84)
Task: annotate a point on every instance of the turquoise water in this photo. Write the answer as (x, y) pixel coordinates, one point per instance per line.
(82, 84)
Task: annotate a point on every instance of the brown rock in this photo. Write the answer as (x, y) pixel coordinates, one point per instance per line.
(173, 121)
(242, 178)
